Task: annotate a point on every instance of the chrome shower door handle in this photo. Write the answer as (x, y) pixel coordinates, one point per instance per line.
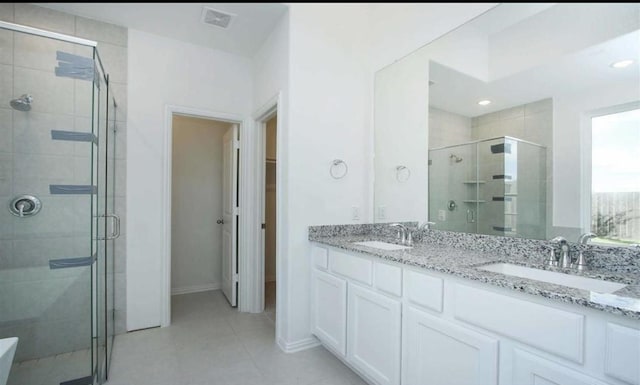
(115, 233)
(115, 227)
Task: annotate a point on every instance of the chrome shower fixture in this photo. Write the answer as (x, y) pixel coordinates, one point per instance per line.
(455, 158)
(23, 103)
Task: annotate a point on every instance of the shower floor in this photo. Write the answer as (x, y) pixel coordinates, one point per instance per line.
(51, 370)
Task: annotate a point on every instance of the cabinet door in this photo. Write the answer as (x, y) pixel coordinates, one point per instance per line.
(438, 352)
(374, 324)
(529, 369)
(329, 310)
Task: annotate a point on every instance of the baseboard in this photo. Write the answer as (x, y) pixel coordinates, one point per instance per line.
(296, 346)
(270, 278)
(194, 289)
(343, 359)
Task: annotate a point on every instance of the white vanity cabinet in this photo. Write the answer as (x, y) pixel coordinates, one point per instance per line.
(529, 369)
(438, 352)
(398, 324)
(329, 310)
(373, 334)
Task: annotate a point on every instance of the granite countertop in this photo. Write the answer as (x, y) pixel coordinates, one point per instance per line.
(464, 264)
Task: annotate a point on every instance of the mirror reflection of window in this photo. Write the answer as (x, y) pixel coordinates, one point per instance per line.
(615, 177)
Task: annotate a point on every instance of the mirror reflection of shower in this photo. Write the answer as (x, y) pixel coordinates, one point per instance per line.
(455, 158)
(23, 103)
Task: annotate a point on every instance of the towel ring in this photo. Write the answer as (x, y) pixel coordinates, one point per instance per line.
(402, 173)
(335, 174)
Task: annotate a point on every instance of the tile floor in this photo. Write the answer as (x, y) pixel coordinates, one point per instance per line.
(51, 370)
(210, 343)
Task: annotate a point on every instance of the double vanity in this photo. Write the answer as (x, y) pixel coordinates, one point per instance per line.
(457, 308)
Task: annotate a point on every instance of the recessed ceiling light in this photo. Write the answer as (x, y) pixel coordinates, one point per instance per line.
(484, 102)
(622, 63)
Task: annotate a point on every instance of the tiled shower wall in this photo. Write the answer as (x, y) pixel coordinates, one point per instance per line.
(532, 122)
(30, 161)
(447, 128)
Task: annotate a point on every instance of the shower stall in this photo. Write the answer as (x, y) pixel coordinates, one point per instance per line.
(493, 186)
(57, 221)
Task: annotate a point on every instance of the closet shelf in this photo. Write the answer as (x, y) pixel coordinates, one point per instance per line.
(474, 181)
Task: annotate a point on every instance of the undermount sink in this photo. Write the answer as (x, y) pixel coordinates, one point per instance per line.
(382, 245)
(574, 281)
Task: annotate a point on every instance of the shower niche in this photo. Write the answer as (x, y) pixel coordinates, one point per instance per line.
(493, 186)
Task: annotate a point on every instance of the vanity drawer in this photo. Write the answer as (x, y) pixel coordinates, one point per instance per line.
(320, 258)
(553, 330)
(423, 290)
(350, 266)
(623, 353)
(388, 278)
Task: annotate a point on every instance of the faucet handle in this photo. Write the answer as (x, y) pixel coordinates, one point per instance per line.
(409, 240)
(581, 262)
(551, 260)
(558, 240)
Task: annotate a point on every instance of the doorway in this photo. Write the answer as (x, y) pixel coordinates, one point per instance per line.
(204, 200)
(270, 214)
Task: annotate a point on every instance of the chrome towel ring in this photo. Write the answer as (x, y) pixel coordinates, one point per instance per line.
(338, 169)
(403, 173)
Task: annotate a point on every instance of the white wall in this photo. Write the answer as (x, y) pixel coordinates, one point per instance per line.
(571, 113)
(196, 204)
(401, 139)
(270, 72)
(329, 118)
(328, 95)
(539, 39)
(399, 29)
(165, 72)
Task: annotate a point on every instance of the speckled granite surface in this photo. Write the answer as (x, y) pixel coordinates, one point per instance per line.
(461, 254)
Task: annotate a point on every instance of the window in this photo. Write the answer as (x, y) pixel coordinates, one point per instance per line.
(615, 177)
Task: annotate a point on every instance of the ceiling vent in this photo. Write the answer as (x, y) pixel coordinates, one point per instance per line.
(216, 18)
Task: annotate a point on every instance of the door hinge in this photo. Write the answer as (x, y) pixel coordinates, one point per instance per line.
(235, 278)
(263, 226)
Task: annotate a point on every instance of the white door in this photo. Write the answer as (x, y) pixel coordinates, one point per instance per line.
(437, 352)
(530, 369)
(230, 215)
(373, 335)
(329, 310)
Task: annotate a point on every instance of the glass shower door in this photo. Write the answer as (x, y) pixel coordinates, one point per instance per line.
(46, 157)
(108, 225)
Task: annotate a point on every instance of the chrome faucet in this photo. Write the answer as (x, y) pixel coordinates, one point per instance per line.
(581, 262)
(426, 225)
(403, 233)
(565, 258)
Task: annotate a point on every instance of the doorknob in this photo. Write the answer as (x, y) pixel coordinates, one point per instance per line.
(220, 221)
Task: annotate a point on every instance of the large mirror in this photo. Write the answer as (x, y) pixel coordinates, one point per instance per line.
(523, 122)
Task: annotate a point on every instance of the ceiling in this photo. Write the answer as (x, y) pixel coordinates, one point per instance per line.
(182, 21)
(588, 69)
